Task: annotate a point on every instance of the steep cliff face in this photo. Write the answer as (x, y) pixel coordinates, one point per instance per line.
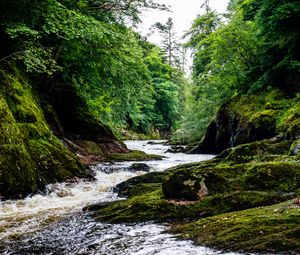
(31, 155)
(251, 118)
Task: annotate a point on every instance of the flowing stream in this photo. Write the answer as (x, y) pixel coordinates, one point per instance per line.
(55, 224)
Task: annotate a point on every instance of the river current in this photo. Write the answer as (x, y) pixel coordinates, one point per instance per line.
(54, 223)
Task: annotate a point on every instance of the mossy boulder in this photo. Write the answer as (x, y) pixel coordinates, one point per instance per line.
(289, 122)
(277, 176)
(197, 182)
(249, 118)
(192, 186)
(30, 155)
(17, 173)
(89, 147)
(295, 148)
(125, 189)
(146, 202)
(264, 229)
(132, 156)
(256, 150)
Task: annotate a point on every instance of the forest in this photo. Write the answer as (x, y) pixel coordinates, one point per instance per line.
(77, 80)
(129, 83)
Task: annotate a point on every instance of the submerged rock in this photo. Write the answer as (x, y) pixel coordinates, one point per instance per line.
(139, 167)
(177, 149)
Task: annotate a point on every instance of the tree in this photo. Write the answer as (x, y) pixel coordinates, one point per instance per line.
(225, 57)
(169, 43)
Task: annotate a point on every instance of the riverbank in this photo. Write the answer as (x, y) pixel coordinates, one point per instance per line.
(54, 222)
(213, 202)
(254, 185)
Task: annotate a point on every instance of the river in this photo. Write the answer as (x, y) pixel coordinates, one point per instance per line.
(54, 223)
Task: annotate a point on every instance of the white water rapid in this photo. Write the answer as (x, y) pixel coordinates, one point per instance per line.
(55, 224)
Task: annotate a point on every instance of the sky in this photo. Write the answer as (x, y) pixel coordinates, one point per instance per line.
(183, 12)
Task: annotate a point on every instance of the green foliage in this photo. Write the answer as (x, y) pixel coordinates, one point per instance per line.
(169, 44)
(255, 45)
(30, 155)
(85, 46)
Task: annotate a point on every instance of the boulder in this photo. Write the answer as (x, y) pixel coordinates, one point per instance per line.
(189, 185)
(124, 188)
(139, 167)
(244, 119)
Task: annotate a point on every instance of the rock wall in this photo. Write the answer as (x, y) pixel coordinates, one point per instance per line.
(251, 118)
(31, 155)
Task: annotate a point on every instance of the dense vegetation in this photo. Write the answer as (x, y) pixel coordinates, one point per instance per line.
(88, 47)
(243, 105)
(74, 74)
(254, 47)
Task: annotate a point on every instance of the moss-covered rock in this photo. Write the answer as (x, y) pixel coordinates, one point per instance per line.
(132, 156)
(191, 185)
(256, 151)
(289, 121)
(128, 187)
(250, 118)
(17, 173)
(30, 155)
(146, 202)
(295, 148)
(254, 175)
(89, 147)
(196, 183)
(277, 176)
(267, 229)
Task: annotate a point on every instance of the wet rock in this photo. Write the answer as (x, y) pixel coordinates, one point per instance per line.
(242, 120)
(124, 188)
(191, 186)
(177, 149)
(132, 156)
(97, 206)
(295, 148)
(139, 167)
(273, 229)
(163, 142)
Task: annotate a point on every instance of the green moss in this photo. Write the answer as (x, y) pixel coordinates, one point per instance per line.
(30, 155)
(270, 110)
(17, 175)
(220, 177)
(193, 185)
(279, 176)
(146, 202)
(89, 147)
(131, 186)
(141, 189)
(269, 229)
(256, 151)
(265, 118)
(289, 121)
(132, 156)
(54, 162)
